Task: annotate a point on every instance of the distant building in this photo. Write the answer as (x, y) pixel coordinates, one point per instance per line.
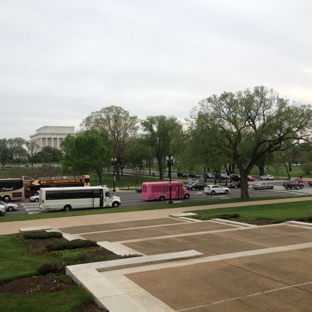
(51, 136)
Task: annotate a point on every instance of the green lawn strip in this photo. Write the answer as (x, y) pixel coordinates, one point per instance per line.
(63, 301)
(15, 262)
(277, 212)
(147, 206)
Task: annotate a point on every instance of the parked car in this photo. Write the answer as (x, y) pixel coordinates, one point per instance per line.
(194, 175)
(209, 176)
(8, 206)
(266, 177)
(223, 176)
(2, 210)
(34, 198)
(138, 189)
(293, 183)
(235, 185)
(196, 186)
(216, 189)
(251, 178)
(181, 175)
(235, 177)
(262, 186)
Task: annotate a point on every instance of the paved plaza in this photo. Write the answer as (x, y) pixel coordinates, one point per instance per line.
(193, 266)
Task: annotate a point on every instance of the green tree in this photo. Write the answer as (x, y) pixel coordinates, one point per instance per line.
(163, 134)
(86, 152)
(32, 149)
(202, 149)
(119, 126)
(9, 148)
(250, 125)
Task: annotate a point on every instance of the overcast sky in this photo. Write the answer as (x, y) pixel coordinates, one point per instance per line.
(62, 60)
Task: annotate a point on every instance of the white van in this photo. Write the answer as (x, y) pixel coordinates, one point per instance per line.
(68, 198)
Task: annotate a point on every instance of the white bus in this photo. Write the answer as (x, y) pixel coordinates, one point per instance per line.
(68, 198)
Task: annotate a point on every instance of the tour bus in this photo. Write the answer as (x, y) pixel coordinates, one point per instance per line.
(161, 191)
(68, 198)
(11, 189)
(33, 185)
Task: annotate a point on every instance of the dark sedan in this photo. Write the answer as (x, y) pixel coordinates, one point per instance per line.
(196, 186)
(235, 185)
(235, 177)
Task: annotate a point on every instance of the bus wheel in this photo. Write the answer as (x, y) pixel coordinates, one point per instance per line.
(67, 208)
(161, 198)
(115, 204)
(186, 196)
(6, 198)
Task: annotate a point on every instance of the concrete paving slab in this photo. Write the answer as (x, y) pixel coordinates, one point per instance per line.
(289, 267)
(195, 227)
(139, 295)
(231, 247)
(153, 232)
(143, 232)
(289, 299)
(120, 225)
(284, 240)
(202, 284)
(264, 232)
(107, 236)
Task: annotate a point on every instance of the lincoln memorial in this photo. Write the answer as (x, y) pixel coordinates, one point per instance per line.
(51, 136)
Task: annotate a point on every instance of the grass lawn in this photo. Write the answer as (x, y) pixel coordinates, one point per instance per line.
(274, 212)
(22, 258)
(16, 263)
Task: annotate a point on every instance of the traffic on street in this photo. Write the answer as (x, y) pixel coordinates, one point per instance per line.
(133, 198)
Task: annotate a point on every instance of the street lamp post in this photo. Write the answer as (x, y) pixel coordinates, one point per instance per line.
(114, 162)
(169, 160)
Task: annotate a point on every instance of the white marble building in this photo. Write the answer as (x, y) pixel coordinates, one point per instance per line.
(51, 136)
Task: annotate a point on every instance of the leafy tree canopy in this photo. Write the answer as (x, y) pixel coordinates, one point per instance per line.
(250, 124)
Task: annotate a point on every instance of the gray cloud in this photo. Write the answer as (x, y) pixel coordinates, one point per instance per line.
(62, 60)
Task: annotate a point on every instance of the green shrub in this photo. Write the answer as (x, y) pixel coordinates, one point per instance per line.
(42, 235)
(74, 244)
(227, 216)
(50, 267)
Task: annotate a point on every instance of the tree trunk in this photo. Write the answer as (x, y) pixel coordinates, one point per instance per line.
(244, 184)
(160, 167)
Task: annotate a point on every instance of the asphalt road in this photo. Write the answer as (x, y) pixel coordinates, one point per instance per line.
(132, 198)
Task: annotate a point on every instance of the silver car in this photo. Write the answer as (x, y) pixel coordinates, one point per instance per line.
(266, 177)
(262, 186)
(216, 189)
(8, 206)
(2, 210)
(34, 198)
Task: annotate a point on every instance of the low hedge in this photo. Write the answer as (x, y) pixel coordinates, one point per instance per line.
(74, 244)
(42, 235)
